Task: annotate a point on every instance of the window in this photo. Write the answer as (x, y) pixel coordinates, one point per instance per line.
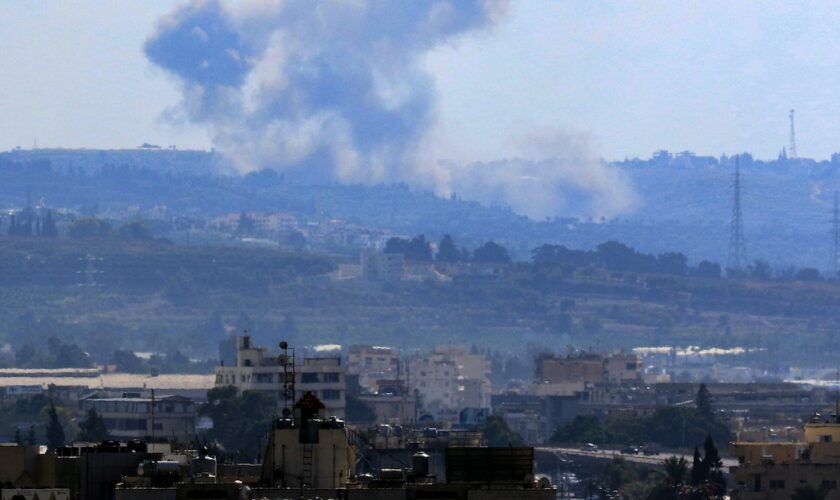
(329, 394)
(309, 378)
(829, 484)
(331, 377)
(825, 438)
(777, 484)
(631, 366)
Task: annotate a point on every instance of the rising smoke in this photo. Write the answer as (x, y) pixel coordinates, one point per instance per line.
(335, 89)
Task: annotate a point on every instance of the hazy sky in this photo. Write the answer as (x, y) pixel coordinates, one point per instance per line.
(635, 76)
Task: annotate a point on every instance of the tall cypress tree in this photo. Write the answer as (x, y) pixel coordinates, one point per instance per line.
(55, 432)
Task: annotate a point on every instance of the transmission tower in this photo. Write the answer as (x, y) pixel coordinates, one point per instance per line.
(737, 253)
(835, 229)
(792, 145)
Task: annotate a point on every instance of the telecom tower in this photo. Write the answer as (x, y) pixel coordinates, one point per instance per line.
(835, 229)
(737, 253)
(792, 145)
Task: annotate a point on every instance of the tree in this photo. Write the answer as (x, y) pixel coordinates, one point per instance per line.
(760, 270)
(447, 251)
(676, 471)
(18, 437)
(416, 249)
(583, 429)
(672, 263)
(88, 227)
(246, 224)
(136, 230)
(704, 402)
(359, 412)
(55, 432)
(808, 492)
(496, 433)
(239, 421)
(491, 252)
(706, 269)
(698, 474)
(31, 439)
(93, 429)
(49, 229)
(808, 274)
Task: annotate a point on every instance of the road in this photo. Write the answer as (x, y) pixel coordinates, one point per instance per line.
(609, 454)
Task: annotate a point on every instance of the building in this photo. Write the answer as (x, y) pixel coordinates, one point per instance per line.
(775, 470)
(325, 378)
(449, 379)
(372, 364)
(133, 416)
(589, 369)
(535, 418)
(377, 266)
(257, 369)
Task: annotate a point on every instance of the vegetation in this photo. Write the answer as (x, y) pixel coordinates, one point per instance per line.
(670, 427)
(497, 433)
(93, 428)
(55, 431)
(240, 422)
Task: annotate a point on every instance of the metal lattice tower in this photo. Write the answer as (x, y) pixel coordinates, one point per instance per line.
(792, 146)
(737, 252)
(835, 229)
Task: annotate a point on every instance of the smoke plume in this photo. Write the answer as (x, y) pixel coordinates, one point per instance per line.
(336, 89)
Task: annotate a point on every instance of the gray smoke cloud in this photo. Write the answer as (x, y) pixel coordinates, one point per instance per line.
(566, 178)
(336, 89)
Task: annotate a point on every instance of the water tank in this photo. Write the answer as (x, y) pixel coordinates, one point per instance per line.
(204, 464)
(420, 464)
(152, 468)
(391, 474)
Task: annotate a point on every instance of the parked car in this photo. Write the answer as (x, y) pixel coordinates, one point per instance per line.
(589, 447)
(647, 450)
(630, 450)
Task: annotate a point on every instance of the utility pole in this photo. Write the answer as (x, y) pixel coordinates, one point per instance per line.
(736, 230)
(792, 146)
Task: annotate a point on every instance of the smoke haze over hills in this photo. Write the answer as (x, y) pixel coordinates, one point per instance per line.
(337, 91)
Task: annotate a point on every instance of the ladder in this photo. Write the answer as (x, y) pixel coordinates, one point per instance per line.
(306, 472)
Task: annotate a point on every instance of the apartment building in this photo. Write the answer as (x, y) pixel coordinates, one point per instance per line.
(258, 369)
(448, 380)
(372, 364)
(133, 416)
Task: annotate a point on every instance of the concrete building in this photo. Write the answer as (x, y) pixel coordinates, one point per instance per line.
(448, 380)
(372, 364)
(535, 418)
(775, 470)
(377, 266)
(257, 369)
(589, 369)
(325, 378)
(134, 417)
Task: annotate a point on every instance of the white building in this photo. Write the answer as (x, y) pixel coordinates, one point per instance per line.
(257, 369)
(449, 379)
(371, 364)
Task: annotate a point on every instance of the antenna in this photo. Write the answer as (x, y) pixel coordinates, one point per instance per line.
(736, 234)
(288, 363)
(792, 145)
(835, 228)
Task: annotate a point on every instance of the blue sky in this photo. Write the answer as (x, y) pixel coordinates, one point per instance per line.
(633, 76)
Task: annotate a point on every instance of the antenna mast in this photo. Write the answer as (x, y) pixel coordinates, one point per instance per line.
(736, 234)
(792, 146)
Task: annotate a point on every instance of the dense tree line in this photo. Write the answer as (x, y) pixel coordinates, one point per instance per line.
(419, 249)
